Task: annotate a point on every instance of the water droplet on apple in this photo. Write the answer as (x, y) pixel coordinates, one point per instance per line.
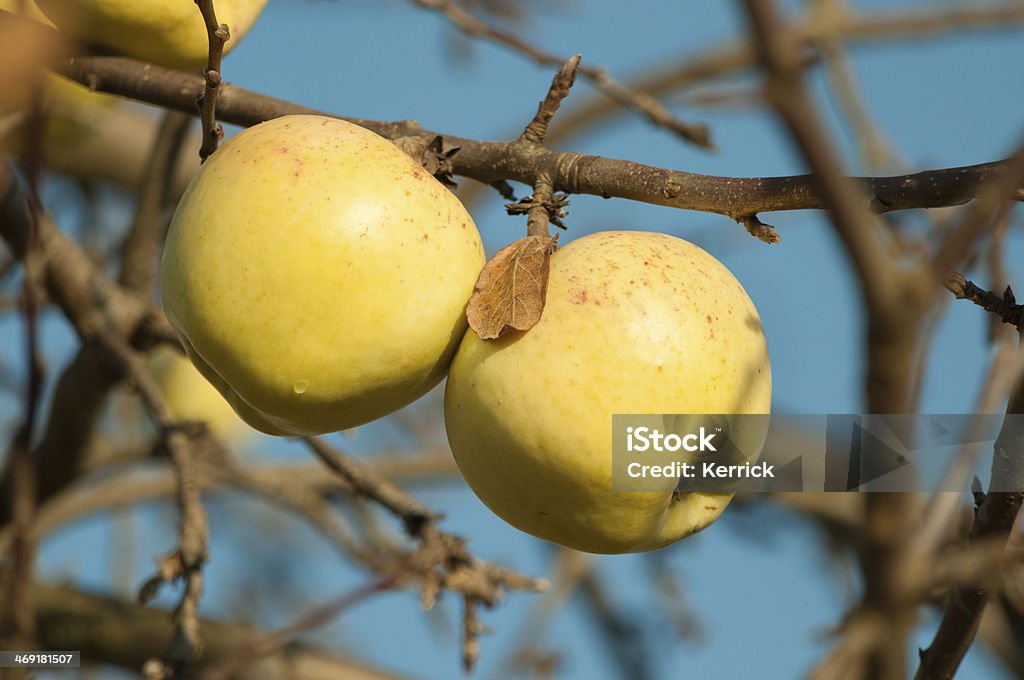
(300, 387)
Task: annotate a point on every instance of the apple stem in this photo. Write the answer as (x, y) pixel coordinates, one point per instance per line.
(218, 35)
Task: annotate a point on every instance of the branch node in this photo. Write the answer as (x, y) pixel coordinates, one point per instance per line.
(541, 207)
(431, 154)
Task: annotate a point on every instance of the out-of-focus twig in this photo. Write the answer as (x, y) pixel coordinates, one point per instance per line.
(441, 561)
(875, 151)
(649, 106)
(141, 248)
(273, 642)
(119, 633)
(894, 299)
(186, 562)
(90, 302)
(994, 520)
(529, 649)
(850, 28)
(17, 617)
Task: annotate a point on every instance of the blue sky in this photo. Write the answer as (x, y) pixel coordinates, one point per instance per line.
(755, 580)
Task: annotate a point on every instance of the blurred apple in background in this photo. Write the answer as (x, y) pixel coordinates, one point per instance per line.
(191, 397)
(164, 32)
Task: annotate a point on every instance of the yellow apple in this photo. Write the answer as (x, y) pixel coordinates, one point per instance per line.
(317, 275)
(191, 397)
(635, 323)
(165, 32)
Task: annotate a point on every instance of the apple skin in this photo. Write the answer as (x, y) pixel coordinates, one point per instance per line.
(635, 322)
(164, 32)
(317, 275)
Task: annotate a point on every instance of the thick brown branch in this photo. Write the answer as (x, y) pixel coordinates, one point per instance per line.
(492, 162)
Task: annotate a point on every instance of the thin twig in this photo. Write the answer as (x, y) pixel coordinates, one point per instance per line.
(654, 110)
(689, 70)
(218, 34)
(272, 642)
(875, 151)
(529, 649)
(89, 301)
(1003, 306)
(365, 483)
(441, 560)
(543, 207)
(539, 213)
(561, 84)
(114, 632)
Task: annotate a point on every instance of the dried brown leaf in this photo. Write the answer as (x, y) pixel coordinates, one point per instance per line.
(512, 287)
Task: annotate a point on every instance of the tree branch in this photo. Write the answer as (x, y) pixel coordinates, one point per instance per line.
(89, 301)
(995, 519)
(120, 633)
(441, 560)
(494, 162)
